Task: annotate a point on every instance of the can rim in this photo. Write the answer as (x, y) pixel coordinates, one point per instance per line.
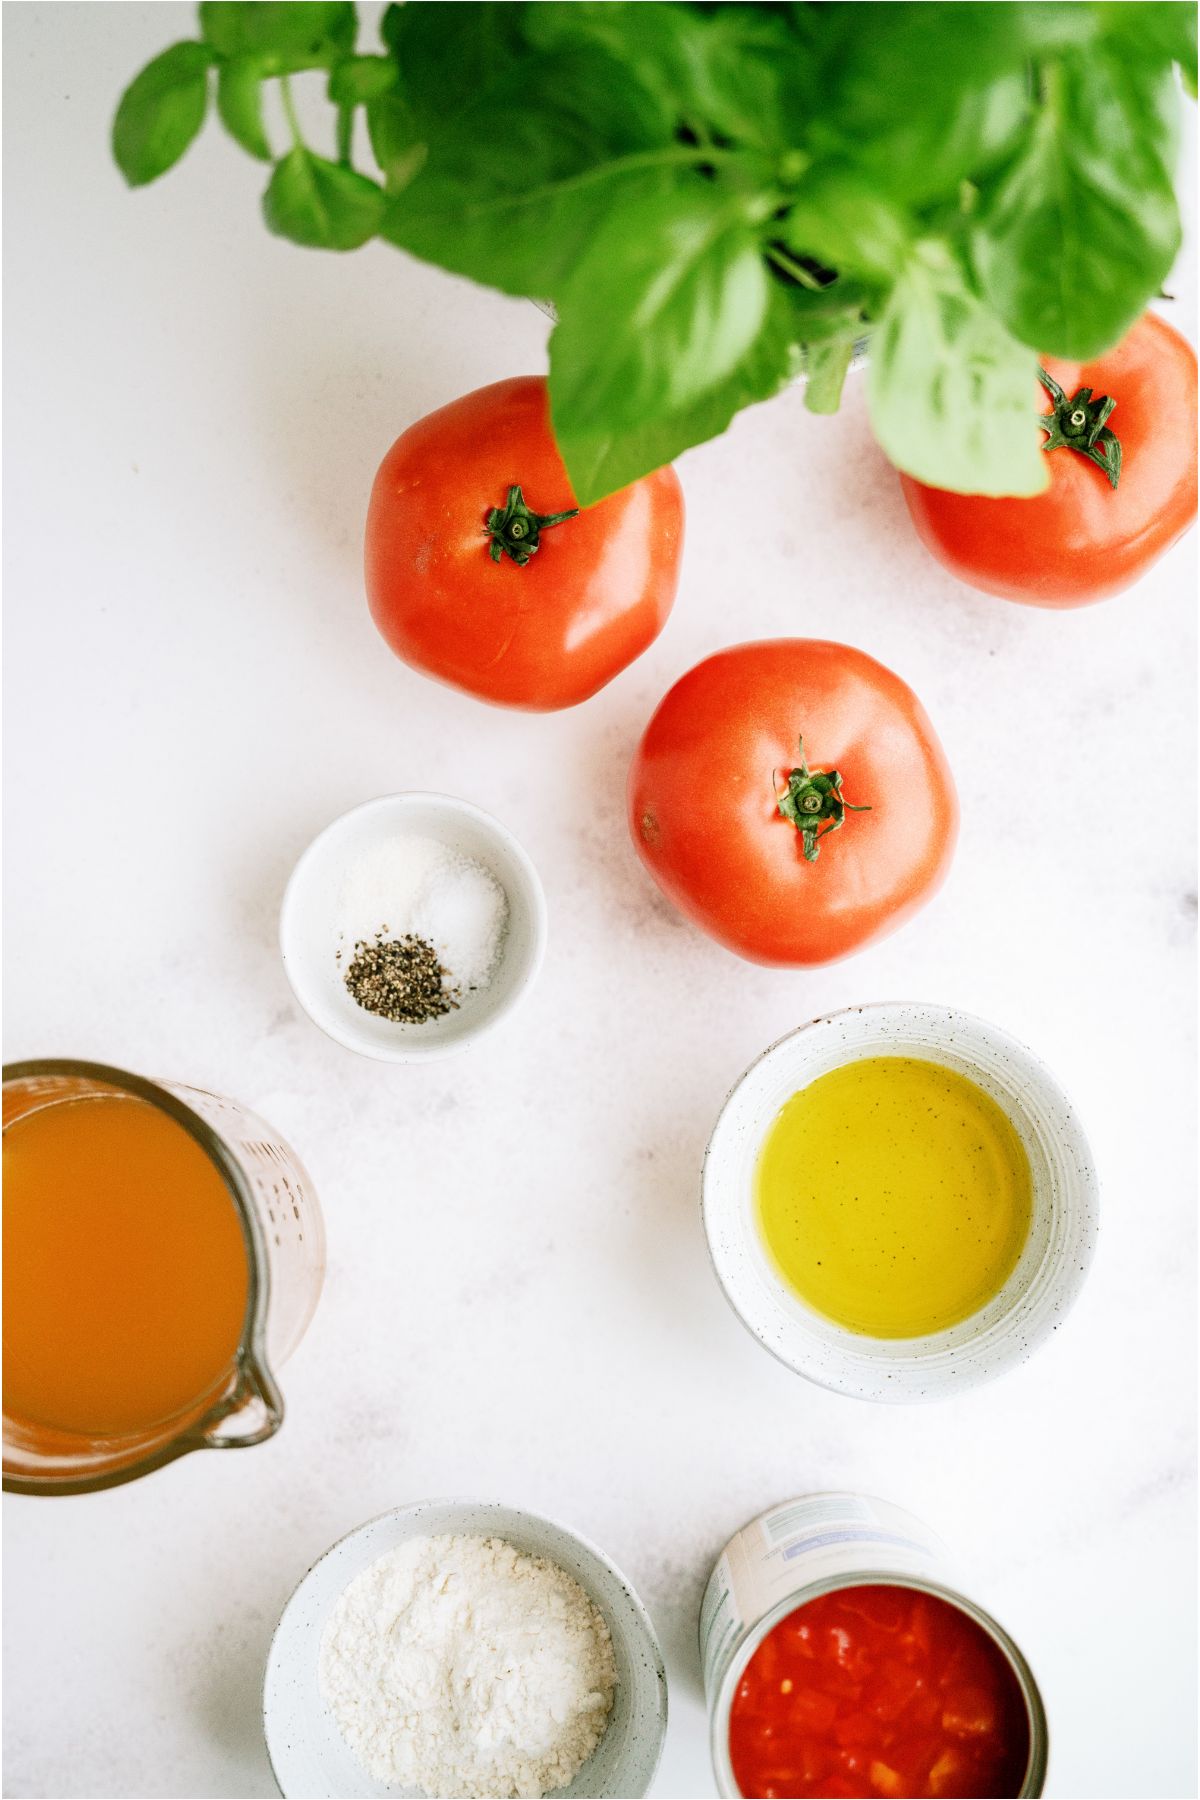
(1034, 1780)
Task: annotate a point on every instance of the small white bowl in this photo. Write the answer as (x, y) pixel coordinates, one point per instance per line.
(308, 925)
(1035, 1298)
(308, 1754)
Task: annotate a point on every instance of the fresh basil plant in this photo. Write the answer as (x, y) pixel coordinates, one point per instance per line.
(717, 197)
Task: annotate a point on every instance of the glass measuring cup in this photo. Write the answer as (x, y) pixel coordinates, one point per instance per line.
(284, 1240)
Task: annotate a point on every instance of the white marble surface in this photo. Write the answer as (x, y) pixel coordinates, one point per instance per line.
(519, 1303)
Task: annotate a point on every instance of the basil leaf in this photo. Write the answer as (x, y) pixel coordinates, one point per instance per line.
(743, 77)
(239, 104)
(840, 219)
(321, 204)
(447, 55)
(360, 79)
(816, 315)
(601, 462)
(1155, 31)
(727, 70)
(826, 366)
(885, 58)
(287, 34)
(1151, 99)
(626, 34)
(951, 393)
(1081, 230)
(917, 156)
(663, 304)
(396, 142)
(511, 195)
(923, 96)
(160, 113)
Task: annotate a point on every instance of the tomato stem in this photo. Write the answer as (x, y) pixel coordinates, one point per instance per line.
(1081, 424)
(813, 798)
(515, 529)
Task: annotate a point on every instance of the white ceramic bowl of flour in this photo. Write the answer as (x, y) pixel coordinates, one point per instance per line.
(422, 863)
(310, 1757)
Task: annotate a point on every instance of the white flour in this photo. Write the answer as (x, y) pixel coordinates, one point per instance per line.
(460, 1666)
(416, 885)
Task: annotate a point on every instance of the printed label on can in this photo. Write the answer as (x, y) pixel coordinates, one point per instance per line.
(799, 1543)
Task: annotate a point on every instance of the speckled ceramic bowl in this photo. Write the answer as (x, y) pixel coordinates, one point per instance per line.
(308, 1754)
(1037, 1295)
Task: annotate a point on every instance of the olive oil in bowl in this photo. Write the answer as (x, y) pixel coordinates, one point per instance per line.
(894, 1196)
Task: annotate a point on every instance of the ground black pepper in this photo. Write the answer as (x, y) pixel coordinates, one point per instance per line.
(400, 979)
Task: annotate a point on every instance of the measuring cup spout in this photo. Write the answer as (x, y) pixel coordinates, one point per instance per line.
(250, 1414)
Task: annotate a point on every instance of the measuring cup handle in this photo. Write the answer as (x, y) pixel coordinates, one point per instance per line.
(252, 1413)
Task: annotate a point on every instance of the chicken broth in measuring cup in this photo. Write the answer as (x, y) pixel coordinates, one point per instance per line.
(163, 1250)
(125, 1268)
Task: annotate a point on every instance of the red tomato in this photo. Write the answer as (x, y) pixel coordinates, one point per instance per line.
(540, 632)
(704, 794)
(1082, 539)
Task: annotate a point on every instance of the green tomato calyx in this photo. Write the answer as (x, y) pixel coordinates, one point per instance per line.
(1081, 423)
(515, 529)
(813, 803)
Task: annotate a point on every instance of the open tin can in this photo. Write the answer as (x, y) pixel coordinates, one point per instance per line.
(803, 1548)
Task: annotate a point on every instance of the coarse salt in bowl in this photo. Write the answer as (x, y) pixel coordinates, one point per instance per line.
(425, 865)
(308, 1753)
